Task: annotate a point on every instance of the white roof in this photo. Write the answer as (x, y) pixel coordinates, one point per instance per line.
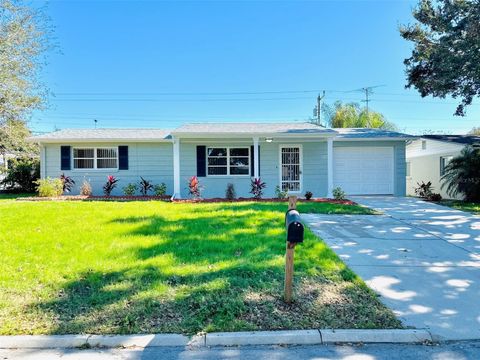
(295, 128)
(104, 135)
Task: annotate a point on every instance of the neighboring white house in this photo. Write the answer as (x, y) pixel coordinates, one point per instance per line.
(428, 156)
(298, 157)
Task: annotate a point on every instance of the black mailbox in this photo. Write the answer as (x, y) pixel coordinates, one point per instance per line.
(294, 226)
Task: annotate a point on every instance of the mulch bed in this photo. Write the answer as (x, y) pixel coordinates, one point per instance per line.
(218, 200)
(182, 201)
(96, 198)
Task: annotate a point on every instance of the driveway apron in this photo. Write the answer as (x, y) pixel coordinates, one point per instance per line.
(423, 260)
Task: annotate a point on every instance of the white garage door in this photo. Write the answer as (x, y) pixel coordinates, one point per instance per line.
(363, 170)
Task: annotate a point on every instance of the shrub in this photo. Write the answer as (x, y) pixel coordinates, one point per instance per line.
(22, 175)
(435, 197)
(279, 194)
(68, 183)
(462, 175)
(145, 186)
(49, 187)
(256, 188)
(130, 189)
(308, 195)
(86, 188)
(110, 185)
(160, 190)
(424, 190)
(194, 187)
(230, 193)
(338, 193)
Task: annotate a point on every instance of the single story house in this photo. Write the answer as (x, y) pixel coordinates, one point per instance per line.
(427, 157)
(298, 157)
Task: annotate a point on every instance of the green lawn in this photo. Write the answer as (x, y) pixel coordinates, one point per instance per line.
(136, 267)
(462, 205)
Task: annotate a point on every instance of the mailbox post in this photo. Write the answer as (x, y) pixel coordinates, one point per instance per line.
(295, 230)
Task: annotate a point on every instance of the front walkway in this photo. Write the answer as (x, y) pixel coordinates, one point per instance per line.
(423, 260)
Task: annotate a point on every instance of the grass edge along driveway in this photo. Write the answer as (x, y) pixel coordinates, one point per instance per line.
(155, 267)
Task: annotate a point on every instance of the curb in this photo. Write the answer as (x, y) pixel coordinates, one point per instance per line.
(281, 337)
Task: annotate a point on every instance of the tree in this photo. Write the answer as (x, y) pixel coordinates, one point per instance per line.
(24, 40)
(446, 55)
(474, 131)
(13, 140)
(462, 175)
(352, 115)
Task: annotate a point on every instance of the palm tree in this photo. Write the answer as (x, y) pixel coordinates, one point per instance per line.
(462, 175)
(352, 115)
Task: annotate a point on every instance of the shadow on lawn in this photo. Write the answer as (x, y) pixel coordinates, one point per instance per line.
(225, 273)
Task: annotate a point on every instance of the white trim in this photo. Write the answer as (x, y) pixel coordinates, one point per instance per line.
(330, 168)
(375, 138)
(300, 147)
(228, 148)
(95, 158)
(176, 168)
(43, 161)
(99, 140)
(256, 167)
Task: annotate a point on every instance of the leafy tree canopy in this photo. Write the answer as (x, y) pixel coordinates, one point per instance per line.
(462, 175)
(446, 55)
(24, 39)
(352, 115)
(13, 139)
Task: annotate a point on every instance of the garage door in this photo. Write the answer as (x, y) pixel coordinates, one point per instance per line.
(363, 170)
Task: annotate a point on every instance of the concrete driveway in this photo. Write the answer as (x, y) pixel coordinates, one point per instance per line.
(421, 258)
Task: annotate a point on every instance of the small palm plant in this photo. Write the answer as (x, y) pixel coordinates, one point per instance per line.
(462, 175)
(256, 188)
(110, 185)
(194, 188)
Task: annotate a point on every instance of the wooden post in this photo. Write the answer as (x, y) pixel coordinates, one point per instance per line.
(289, 256)
(290, 252)
(292, 202)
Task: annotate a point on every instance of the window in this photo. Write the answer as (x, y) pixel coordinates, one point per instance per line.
(95, 158)
(424, 144)
(444, 160)
(228, 161)
(408, 169)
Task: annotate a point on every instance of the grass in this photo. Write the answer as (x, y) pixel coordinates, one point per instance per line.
(136, 267)
(462, 205)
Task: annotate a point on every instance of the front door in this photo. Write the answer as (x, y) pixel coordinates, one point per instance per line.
(291, 168)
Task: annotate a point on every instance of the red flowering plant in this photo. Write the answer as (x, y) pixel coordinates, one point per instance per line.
(194, 187)
(256, 188)
(110, 185)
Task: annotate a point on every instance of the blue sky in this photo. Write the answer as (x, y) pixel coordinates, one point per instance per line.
(161, 64)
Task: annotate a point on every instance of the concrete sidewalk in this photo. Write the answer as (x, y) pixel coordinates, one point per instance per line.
(422, 258)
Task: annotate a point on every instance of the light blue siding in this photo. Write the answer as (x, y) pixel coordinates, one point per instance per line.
(314, 168)
(153, 161)
(399, 159)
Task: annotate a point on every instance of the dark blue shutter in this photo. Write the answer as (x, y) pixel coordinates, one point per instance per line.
(123, 157)
(201, 161)
(252, 161)
(65, 153)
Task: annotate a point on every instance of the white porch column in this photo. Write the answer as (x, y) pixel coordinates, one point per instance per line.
(176, 168)
(43, 161)
(256, 165)
(329, 167)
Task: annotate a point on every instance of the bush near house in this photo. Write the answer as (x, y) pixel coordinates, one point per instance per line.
(338, 193)
(49, 187)
(22, 175)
